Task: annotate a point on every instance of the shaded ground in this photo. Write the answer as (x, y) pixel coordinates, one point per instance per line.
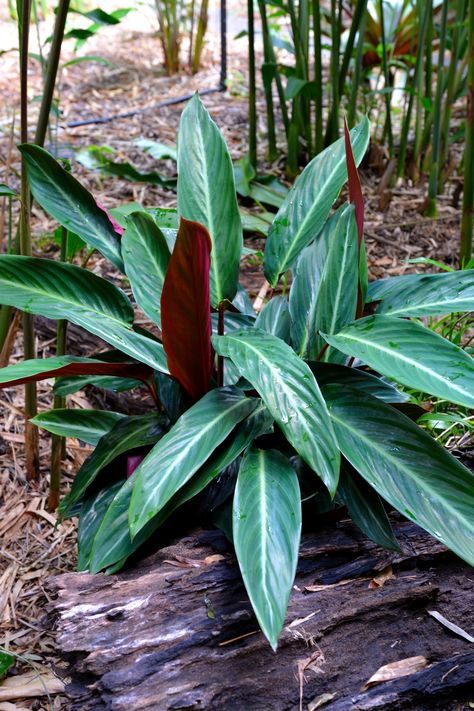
(33, 545)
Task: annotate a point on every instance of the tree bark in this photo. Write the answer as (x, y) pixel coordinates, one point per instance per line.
(176, 630)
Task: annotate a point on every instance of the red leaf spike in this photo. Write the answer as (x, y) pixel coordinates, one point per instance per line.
(186, 309)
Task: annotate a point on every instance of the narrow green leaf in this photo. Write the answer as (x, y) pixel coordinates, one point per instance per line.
(267, 530)
(64, 291)
(332, 373)
(411, 354)
(180, 453)
(206, 194)
(5, 191)
(424, 294)
(146, 256)
(366, 508)
(65, 199)
(69, 385)
(323, 296)
(87, 425)
(91, 515)
(275, 318)
(407, 467)
(287, 386)
(307, 205)
(113, 543)
(128, 433)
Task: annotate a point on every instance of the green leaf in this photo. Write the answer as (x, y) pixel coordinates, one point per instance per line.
(87, 425)
(307, 205)
(158, 151)
(267, 530)
(407, 467)
(366, 508)
(5, 191)
(323, 296)
(146, 256)
(287, 386)
(128, 433)
(65, 199)
(180, 453)
(275, 318)
(6, 661)
(92, 512)
(64, 291)
(113, 543)
(69, 385)
(411, 354)
(332, 373)
(424, 294)
(101, 158)
(87, 58)
(206, 194)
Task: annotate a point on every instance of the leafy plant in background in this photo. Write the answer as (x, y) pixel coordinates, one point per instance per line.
(301, 399)
(178, 19)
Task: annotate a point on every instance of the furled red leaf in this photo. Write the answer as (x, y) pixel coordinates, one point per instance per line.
(41, 369)
(355, 189)
(133, 461)
(119, 230)
(186, 310)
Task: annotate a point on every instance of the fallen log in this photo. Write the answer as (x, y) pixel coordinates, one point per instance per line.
(176, 630)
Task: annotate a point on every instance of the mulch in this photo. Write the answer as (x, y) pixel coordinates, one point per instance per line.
(33, 544)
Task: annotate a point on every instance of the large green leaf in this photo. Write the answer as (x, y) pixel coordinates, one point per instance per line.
(113, 543)
(65, 199)
(267, 529)
(87, 425)
(306, 207)
(287, 386)
(332, 373)
(407, 467)
(180, 453)
(64, 291)
(275, 318)
(424, 294)
(92, 512)
(128, 433)
(146, 256)
(206, 194)
(411, 354)
(366, 508)
(323, 295)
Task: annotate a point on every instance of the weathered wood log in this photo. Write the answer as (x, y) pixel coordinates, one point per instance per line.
(176, 630)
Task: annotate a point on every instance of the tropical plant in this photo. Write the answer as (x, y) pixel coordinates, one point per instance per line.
(301, 399)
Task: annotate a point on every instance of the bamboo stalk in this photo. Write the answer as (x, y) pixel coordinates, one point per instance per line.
(431, 206)
(252, 87)
(418, 67)
(267, 81)
(468, 194)
(318, 79)
(388, 110)
(31, 432)
(201, 31)
(352, 113)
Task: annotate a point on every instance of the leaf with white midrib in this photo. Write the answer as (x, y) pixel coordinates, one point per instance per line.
(266, 530)
(424, 294)
(287, 386)
(411, 354)
(65, 291)
(206, 194)
(180, 453)
(407, 467)
(307, 205)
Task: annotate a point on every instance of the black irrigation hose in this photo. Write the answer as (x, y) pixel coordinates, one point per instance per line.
(179, 99)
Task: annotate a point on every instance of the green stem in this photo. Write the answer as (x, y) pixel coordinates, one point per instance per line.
(468, 195)
(267, 76)
(318, 79)
(356, 81)
(388, 116)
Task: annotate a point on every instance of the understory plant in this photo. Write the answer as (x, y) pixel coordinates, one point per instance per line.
(252, 413)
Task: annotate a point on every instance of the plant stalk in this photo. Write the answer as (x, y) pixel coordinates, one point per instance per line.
(468, 194)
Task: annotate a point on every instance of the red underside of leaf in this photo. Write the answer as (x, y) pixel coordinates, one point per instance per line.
(134, 461)
(186, 309)
(119, 230)
(355, 188)
(121, 370)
